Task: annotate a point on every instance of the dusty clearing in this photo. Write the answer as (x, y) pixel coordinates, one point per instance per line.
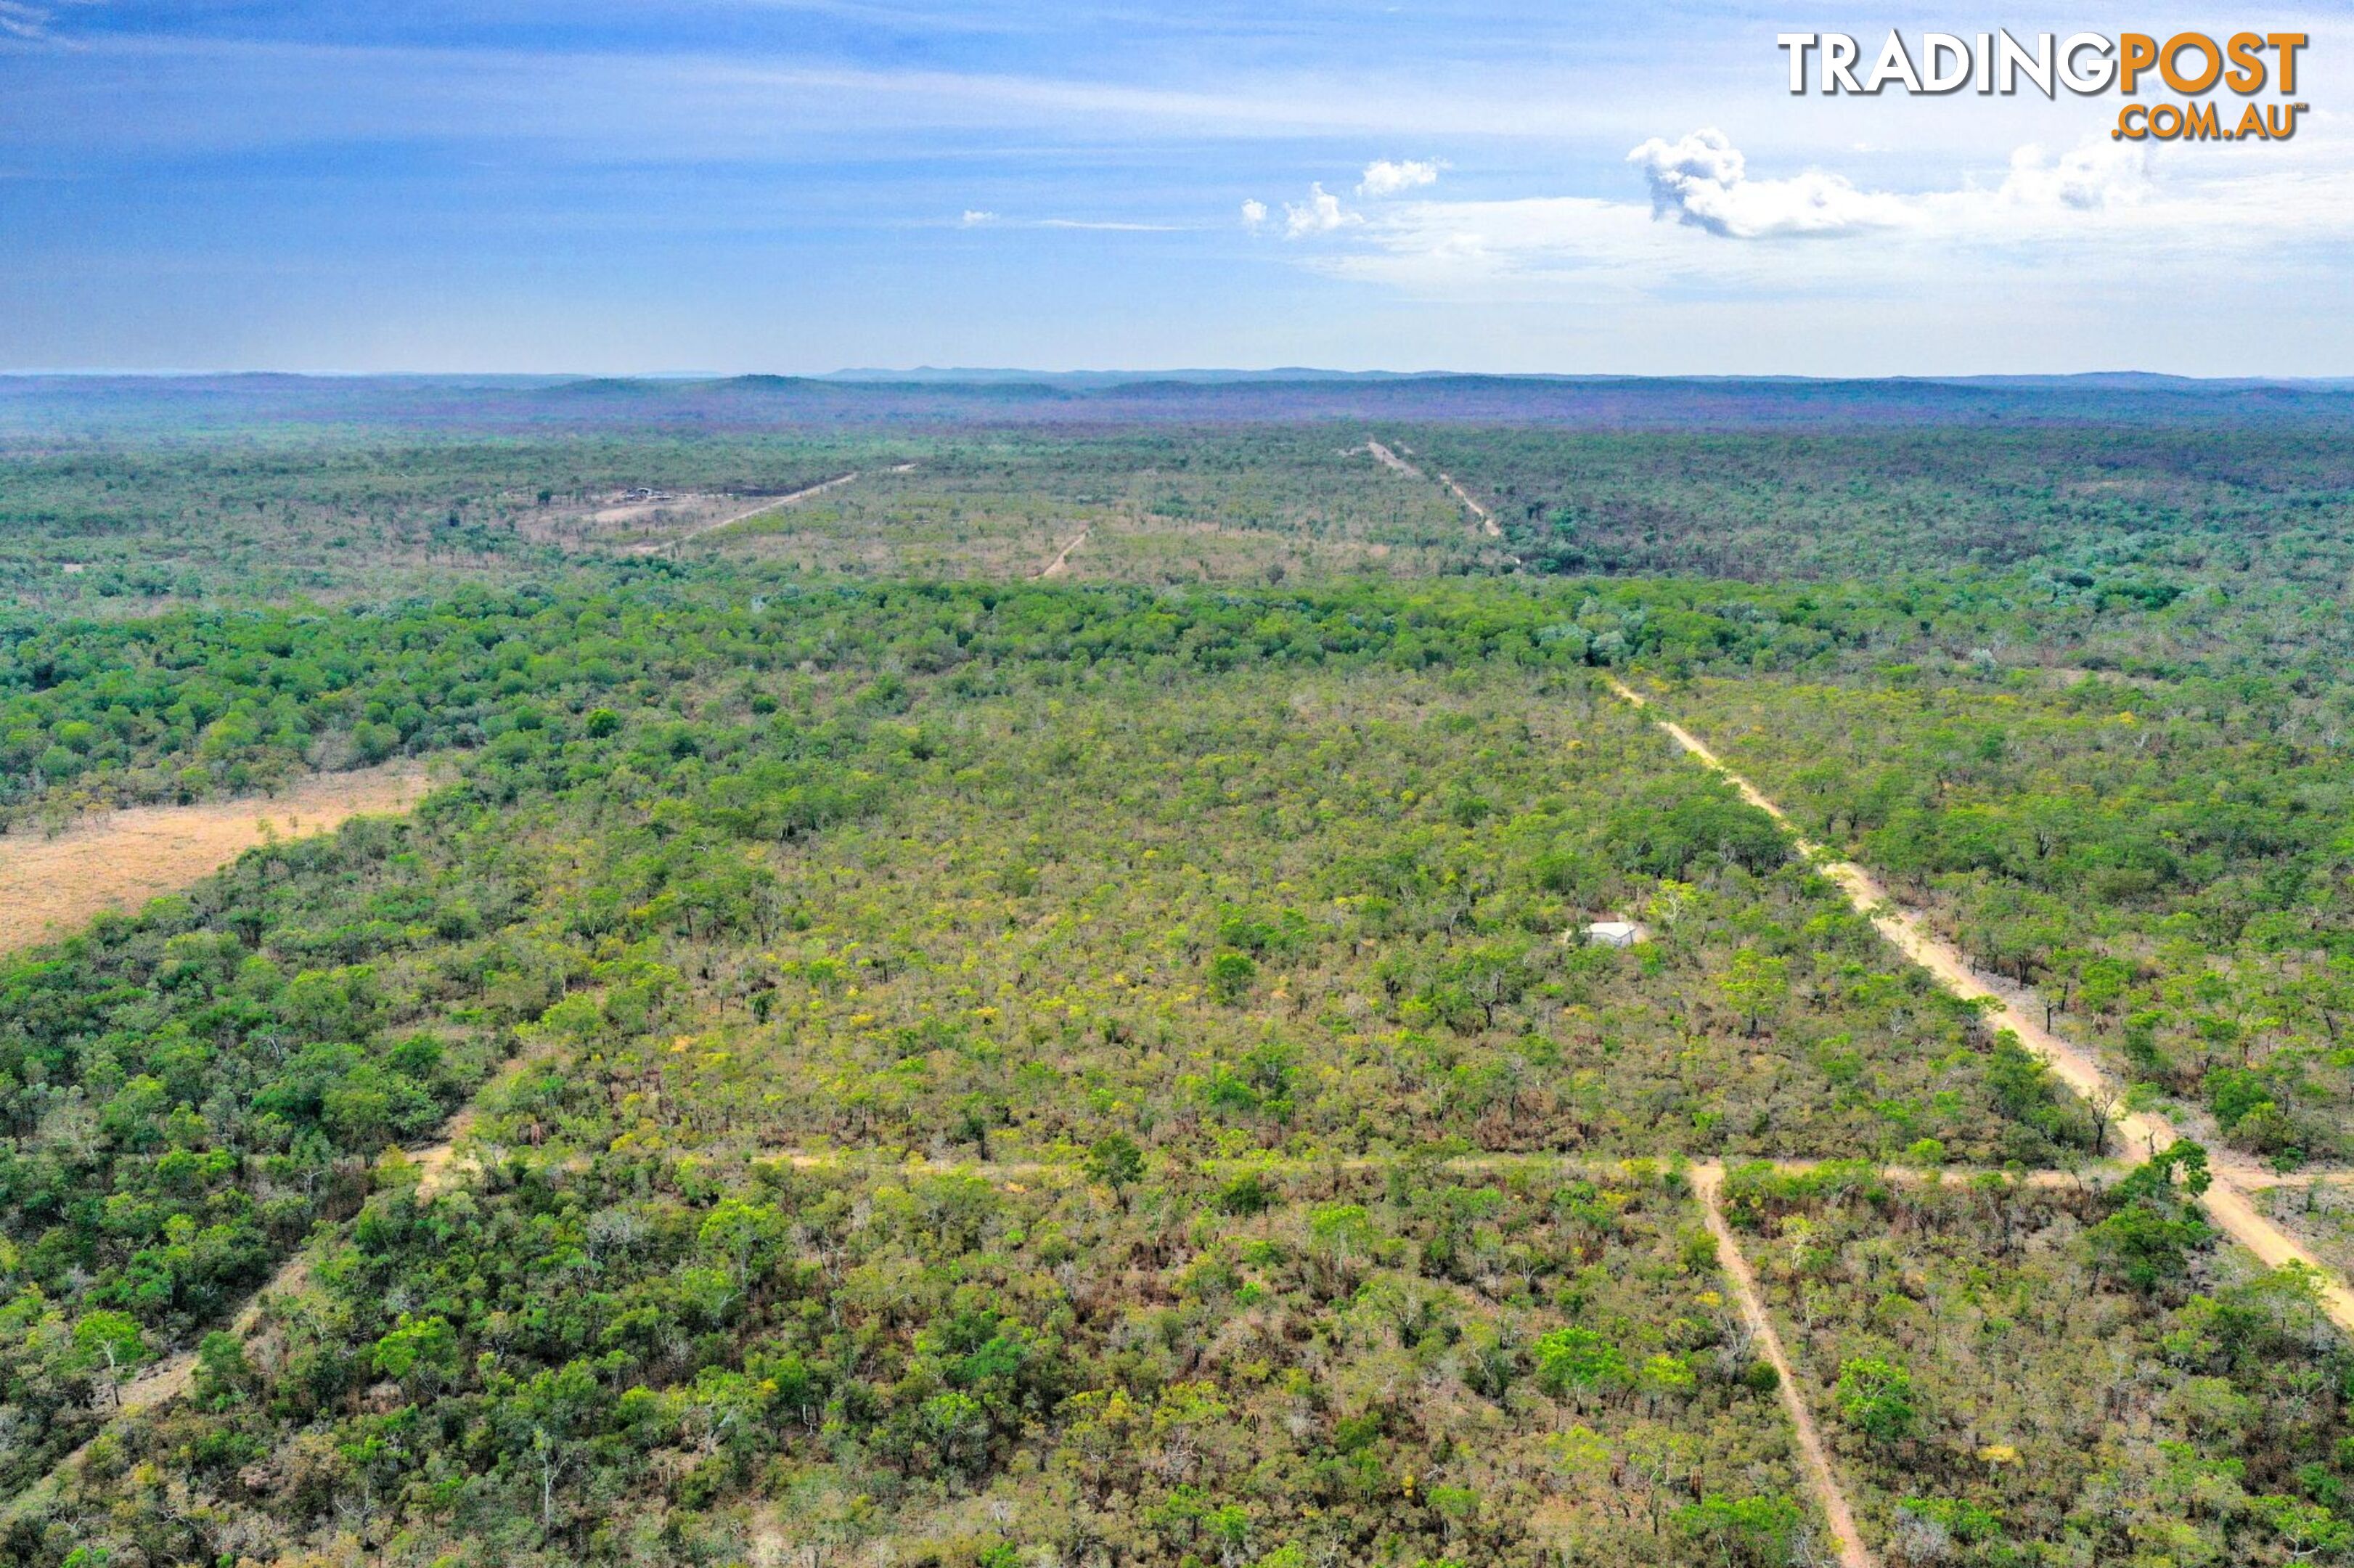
(642, 511)
(49, 886)
(1390, 459)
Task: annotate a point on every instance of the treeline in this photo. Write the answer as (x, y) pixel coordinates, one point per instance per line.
(2131, 509)
(183, 704)
(97, 525)
(194, 702)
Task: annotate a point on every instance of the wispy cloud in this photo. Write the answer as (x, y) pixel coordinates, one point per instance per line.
(24, 21)
(1113, 226)
(2096, 212)
(201, 94)
(979, 217)
(568, 158)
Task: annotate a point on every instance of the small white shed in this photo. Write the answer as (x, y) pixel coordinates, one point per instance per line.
(1614, 934)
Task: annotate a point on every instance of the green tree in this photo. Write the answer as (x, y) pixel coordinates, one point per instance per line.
(1742, 1533)
(1577, 1361)
(1756, 984)
(109, 1343)
(419, 1352)
(1117, 1162)
(1230, 977)
(1875, 1397)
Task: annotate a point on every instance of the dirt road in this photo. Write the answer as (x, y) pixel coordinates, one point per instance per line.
(1062, 561)
(1390, 459)
(654, 545)
(2227, 1201)
(1480, 514)
(52, 885)
(1487, 519)
(121, 861)
(435, 1166)
(1595, 1167)
(1816, 1460)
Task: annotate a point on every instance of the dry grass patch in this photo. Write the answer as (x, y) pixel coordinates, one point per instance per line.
(121, 859)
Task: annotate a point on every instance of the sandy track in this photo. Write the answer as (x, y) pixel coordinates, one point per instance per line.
(437, 1167)
(1708, 1181)
(167, 1380)
(120, 861)
(1486, 518)
(1586, 1165)
(1061, 564)
(1480, 514)
(2227, 1201)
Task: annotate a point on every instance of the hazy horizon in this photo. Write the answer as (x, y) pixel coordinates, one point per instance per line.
(1111, 376)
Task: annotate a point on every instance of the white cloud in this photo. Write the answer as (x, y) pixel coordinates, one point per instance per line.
(2095, 174)
(1321, 213)
(1384, 178)
(2100, 215)
(974, 217)
(1254, 213)
(1703, 180)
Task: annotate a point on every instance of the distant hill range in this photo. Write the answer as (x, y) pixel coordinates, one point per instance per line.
(32, 405)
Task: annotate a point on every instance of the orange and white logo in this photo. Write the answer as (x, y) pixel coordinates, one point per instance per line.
(2194, 65)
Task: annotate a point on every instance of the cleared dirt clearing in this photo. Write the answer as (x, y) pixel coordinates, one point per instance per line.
(50, 885)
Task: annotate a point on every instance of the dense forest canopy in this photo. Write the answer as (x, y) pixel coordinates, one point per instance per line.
(875, 1052)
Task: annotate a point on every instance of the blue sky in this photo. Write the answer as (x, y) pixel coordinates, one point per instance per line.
(664, 185)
